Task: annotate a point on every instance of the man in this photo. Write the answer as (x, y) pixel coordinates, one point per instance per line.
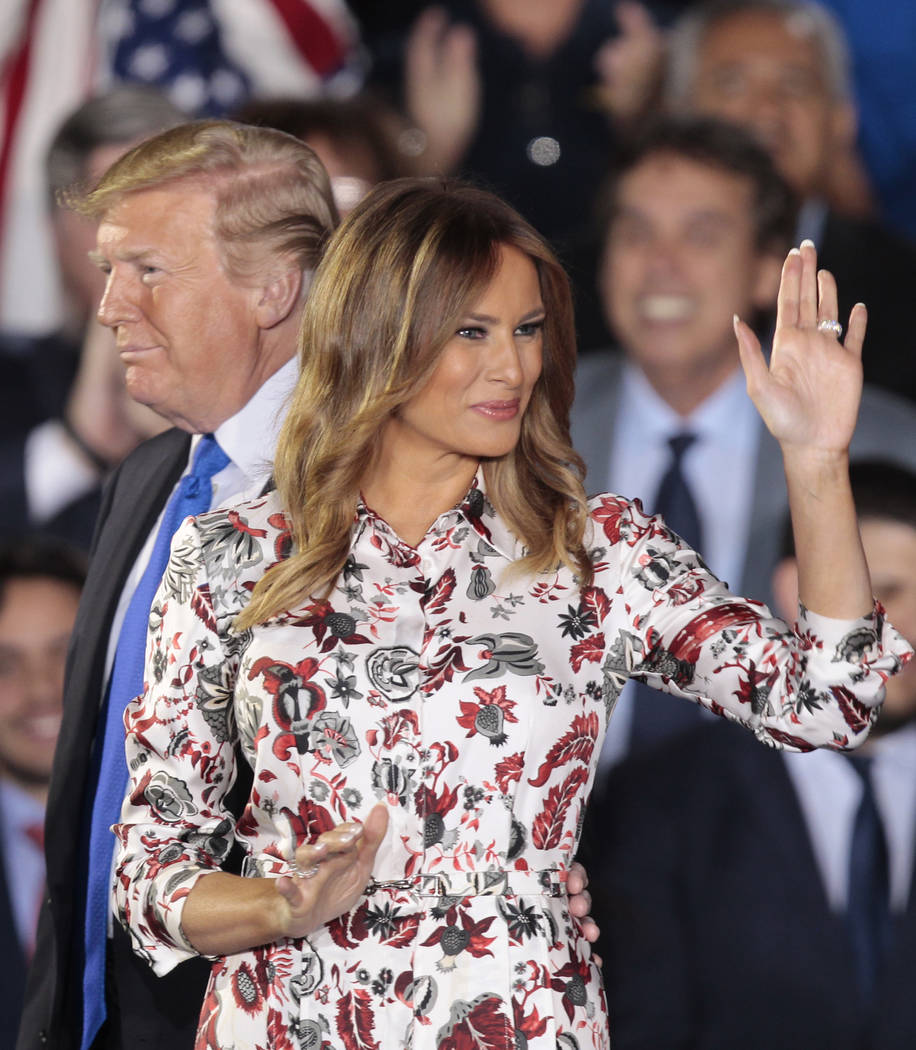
(781, 69)
(729, 876)
(40, 585)
(208, 234)
(70, 420)
(698, 225)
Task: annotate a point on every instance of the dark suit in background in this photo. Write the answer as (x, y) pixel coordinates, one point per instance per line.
(134, 498)
(12, 985)
(716, 931)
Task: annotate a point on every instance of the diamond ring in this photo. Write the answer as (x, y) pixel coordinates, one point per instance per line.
(833, 327)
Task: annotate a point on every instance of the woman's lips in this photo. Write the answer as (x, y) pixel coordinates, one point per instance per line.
(498, 410)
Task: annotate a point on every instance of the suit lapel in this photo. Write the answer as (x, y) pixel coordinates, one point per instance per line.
(594, 415)
(136, 494)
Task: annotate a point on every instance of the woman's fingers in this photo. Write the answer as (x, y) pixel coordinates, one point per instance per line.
(349, 838)
(855, 335)
(827, 307)
(807, 297)
(787, 301)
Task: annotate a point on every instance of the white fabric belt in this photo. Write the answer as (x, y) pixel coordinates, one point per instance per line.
(548, 883)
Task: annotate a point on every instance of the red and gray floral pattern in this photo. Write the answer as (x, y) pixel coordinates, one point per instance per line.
(474, 703)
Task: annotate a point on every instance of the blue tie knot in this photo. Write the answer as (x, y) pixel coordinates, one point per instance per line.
(209, 458)
(679, 443)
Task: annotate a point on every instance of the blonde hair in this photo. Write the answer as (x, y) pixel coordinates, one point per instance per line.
(392, 288)
(273, 195)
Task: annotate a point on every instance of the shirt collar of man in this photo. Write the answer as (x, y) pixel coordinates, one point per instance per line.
(658, 420)
(249, 438)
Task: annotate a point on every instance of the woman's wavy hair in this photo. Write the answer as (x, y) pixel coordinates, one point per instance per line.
(394, 284)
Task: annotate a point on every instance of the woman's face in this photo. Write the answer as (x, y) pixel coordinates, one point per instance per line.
(473, 404)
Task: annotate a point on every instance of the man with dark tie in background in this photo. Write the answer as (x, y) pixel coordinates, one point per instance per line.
(697, 223)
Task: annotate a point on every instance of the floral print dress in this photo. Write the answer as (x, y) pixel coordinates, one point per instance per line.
(474, 703)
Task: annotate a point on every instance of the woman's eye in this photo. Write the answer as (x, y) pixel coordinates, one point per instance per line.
(531, 328)
(472, 332)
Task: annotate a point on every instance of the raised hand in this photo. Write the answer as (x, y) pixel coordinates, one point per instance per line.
(630, 64)
(331, 873)
(809, 394)
(442, 87)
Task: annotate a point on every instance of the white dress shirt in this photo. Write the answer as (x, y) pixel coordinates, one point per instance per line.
(829, 791)
(249, 439)
(23, 860)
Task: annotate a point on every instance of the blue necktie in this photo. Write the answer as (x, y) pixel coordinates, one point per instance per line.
(657, 715)
(192, 496)
(868, 908)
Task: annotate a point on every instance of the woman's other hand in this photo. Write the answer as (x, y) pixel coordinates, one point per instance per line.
(331, 873)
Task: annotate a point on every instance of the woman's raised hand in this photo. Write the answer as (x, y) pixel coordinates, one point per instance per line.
(809, 393)
(331, 873)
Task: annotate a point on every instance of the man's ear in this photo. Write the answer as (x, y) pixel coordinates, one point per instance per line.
(278, 297)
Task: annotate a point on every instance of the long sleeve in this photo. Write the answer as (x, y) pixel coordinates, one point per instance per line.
(180, 735)
(813, 684)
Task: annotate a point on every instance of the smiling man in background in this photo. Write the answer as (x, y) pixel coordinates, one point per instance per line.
(698, 223)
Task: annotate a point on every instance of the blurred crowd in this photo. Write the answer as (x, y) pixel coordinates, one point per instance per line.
(672, 152)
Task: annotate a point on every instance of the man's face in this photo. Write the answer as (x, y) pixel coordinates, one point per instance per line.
(186, 332)
(680, 260)
(890, 550)
(36, 618)
(765, 72)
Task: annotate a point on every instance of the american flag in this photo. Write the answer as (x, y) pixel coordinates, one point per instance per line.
(208, 55)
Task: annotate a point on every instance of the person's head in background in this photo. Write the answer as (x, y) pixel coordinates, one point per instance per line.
(357, 139)
(885, 496)
(95, 134)
(40, 584)
(208, 235)
(777, 67)
(697, 223)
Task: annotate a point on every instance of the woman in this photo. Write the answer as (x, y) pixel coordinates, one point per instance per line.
(422, 679)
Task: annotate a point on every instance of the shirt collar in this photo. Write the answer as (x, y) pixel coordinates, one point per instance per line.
(249, 438)
(714, 417)
(19, 808)
(474, 509)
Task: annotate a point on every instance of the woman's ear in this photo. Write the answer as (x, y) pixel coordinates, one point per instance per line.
(279, 296)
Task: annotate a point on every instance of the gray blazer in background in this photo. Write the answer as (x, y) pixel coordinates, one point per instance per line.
(886, 429)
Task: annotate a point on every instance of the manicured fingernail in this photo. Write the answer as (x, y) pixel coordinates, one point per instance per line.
(794, 251)
(807, 243)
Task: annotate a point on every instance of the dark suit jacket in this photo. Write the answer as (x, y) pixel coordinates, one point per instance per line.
(153, 1012)
(12, 984)
(715, 928)
(886, 429)
(74, 523)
